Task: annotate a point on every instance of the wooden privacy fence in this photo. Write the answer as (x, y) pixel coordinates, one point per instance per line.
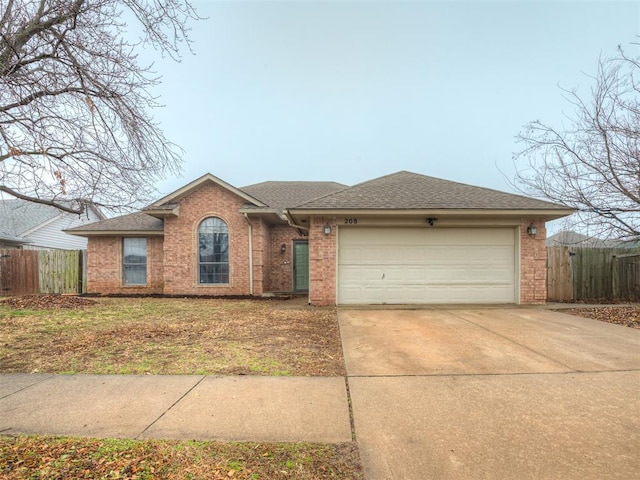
(25, 272)
(593, 273)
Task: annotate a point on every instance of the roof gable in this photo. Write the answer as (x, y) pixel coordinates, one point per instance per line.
(188, 188)
(411, 191)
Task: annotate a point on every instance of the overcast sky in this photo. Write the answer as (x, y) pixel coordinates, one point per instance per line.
(349, 91)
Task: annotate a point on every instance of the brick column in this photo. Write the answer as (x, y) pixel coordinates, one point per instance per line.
(322, 262)
(533, 263)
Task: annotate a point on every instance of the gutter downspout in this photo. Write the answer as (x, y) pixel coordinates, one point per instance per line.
(246, 217)
(291, 224)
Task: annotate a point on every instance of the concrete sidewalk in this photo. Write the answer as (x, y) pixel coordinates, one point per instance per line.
(190, 407)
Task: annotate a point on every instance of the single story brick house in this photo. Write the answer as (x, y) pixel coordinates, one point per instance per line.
(403, 238)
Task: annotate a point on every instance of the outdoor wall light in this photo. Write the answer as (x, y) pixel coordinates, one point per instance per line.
(431, 221)
(283, 248)
(327, 229)
(532, 229)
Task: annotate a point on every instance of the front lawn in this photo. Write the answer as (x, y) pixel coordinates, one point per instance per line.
(74, 458)
(168, 336)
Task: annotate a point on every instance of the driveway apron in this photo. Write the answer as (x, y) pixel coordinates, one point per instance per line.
(492, 393)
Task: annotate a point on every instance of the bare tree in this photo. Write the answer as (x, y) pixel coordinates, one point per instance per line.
(75, 105)
(592, 163)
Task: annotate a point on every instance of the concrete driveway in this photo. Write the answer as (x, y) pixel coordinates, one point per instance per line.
(495, 393)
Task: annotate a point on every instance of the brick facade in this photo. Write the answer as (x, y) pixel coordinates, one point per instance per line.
(280, 266)
(322, 261)
(533, 263)
(172, 262)
(181, 242)
(104, 264)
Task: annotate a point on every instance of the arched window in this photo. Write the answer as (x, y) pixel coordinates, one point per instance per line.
(213, 251)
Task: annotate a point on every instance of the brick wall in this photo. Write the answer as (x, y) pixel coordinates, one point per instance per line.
(533, 264)
(259, 247)
(172, 262)
(280, 265)
(322, 262)
(104, 259)
(181, 243)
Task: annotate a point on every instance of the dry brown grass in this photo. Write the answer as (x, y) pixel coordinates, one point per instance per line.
(74, 458)
(171, 336)
(629, 316)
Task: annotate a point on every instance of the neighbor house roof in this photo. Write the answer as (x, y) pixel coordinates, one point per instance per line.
(19, 218)
(11, 240)
(567, 238)
(411, 191)
(283, 195)
(130, 224)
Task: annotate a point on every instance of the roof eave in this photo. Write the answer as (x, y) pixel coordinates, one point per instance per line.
(14, 240)
(268, 213)
(163, 212)
(115, 233)
(548, 214)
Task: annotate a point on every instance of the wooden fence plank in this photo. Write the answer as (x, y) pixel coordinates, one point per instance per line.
(585, 273)
(559, 275)
(59, 271)
(18, 272)
(42, 271)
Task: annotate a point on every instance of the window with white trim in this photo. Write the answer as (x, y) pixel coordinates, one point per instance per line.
(134, 261)
(213, 252)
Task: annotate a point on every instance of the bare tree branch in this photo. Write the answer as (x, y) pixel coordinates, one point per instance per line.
(592, 164)
(76, 107)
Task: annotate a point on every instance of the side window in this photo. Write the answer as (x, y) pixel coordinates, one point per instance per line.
(213, 251)
(134, 261)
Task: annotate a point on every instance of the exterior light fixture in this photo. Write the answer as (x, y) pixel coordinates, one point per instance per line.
(431, 221)
(532, 229)
(283, 248)
(327, 229)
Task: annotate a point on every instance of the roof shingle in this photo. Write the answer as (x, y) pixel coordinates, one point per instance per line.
(406, 190)
(132, 222)
(19, 216)
(283, 195)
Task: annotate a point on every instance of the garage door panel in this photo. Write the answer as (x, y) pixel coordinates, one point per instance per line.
(427, 255)
(426, 266)
(353, 274)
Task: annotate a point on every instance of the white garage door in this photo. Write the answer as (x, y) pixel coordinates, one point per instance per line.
(426, 265)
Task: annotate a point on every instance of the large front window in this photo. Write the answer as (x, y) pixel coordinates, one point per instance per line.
(134, 261)
(213, 251)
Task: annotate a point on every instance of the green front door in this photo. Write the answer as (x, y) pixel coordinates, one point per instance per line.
(300, 266)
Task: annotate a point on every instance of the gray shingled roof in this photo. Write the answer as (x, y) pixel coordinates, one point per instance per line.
(283, 195)
(19, 216)
(133, 222)
(407, 190)
(567, 238)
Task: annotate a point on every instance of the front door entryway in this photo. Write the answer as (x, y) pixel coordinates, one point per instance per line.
(300, 266)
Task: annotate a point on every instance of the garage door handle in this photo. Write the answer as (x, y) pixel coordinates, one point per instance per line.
(383, 276)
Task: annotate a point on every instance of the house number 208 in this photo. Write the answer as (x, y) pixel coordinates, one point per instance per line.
(350, 221)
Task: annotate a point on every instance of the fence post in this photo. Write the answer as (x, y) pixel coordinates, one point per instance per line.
(615, 280)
